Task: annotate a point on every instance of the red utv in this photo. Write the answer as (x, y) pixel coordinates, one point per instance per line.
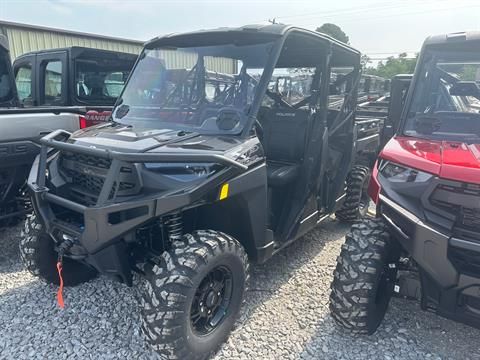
(425, 241)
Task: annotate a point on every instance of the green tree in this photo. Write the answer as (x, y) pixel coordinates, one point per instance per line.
(393, 66)
(334, 31)
(364, 61)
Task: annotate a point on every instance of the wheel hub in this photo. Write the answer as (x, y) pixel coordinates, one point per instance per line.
(211, 301)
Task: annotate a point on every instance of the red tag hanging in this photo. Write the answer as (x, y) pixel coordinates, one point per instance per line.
(60, 289)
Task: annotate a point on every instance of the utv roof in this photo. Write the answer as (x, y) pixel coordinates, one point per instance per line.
(459, 37)
(79, 50)
(270, 31)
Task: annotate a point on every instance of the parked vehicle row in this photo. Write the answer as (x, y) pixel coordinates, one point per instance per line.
(199, 173)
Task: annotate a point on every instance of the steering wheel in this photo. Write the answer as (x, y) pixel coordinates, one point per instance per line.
(259, 129)
(278, 99)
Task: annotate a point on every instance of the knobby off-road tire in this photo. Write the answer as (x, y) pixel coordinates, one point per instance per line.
(38, 254)
(362, 286)
(356, 200)
(175, 284)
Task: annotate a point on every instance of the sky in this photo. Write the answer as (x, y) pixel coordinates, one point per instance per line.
(376, 28)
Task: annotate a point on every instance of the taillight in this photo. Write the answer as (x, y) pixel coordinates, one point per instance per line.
(93, 117)
(374, 186)
(83, 122)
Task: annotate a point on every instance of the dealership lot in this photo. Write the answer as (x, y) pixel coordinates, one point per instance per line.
(286, 315)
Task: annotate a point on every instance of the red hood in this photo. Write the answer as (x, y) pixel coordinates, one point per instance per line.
(448, 159)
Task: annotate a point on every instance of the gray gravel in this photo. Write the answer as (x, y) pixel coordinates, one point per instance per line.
(286, 315)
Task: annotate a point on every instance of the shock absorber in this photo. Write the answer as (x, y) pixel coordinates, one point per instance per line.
(174, 225)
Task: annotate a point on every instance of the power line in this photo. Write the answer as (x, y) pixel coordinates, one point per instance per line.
(403, 14)
(356, 10)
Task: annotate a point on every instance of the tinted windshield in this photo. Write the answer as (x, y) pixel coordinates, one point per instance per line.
(206, 89)
(6, 81)
(445, 103)
(100, 81)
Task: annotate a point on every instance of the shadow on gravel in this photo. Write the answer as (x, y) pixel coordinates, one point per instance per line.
(268, 278)
(407, 332)
(9, 253)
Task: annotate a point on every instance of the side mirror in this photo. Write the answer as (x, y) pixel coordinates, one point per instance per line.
(465, 88)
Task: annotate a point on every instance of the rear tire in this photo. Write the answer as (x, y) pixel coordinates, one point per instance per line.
(38, 254)
(363, 280)
(356, 200)
(191, 295)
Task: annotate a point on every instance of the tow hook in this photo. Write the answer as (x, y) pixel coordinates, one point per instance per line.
(62, 248)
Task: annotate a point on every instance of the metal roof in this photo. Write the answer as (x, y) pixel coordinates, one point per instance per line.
(465, 36)
(25, 38)
(68, 32)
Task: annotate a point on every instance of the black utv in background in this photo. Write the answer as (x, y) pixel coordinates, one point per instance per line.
(199, 174)
(20, 130)
(74, 76)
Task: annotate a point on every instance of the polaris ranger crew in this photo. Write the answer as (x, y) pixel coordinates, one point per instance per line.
(425, 241)
(187, 189)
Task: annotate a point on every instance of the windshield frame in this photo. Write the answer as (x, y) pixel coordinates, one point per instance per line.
(429, 55)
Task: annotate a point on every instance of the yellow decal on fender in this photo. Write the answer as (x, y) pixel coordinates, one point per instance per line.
(224, 191)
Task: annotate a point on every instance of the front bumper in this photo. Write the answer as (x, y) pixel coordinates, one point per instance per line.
(449, 286)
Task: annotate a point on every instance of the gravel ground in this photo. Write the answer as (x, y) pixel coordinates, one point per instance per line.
(286, 315)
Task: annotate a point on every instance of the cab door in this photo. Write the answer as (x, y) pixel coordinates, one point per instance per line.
(51, 78)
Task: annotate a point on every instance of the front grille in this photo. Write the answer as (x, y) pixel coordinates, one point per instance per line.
(461, 200)
(85, 176)
(465, 261)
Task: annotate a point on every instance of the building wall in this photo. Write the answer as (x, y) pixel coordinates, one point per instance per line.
(24, 38)
(30, 38)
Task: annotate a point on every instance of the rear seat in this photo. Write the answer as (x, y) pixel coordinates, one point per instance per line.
(284, 143)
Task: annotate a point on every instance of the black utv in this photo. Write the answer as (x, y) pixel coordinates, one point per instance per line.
(196, 177)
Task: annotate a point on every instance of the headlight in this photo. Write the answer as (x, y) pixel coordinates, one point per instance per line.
(399, 173)
(184, 172)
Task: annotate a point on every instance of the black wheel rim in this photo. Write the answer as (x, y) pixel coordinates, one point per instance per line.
(211, 301)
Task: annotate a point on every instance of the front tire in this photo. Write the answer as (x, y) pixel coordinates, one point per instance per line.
(191, 295)
(356, 199)
(364, 278)
(37, 251)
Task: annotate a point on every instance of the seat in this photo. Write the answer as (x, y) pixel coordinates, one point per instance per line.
(284, 143)
(281, 174)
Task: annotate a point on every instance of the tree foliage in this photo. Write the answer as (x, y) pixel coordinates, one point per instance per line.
(334, 31)
(393, 66)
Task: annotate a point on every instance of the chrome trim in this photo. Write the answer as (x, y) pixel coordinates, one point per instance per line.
(309, 216)
(408, 214)
(323, 218)
(395, 226)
